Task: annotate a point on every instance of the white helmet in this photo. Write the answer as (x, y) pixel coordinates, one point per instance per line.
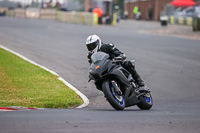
(93, 43)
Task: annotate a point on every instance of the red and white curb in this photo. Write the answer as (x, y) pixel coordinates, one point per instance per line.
(84, 98)
(16, 108)
(7, 109)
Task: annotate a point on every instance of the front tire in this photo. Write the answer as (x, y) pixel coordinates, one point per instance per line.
(146, 102)
(115, 100)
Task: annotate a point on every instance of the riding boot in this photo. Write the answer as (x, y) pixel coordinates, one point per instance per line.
(137, 78)
(130, 66)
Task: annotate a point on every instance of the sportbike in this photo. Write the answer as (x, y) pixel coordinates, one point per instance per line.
(117, 83)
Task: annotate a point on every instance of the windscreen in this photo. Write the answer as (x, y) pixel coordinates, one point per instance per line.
(99, 56)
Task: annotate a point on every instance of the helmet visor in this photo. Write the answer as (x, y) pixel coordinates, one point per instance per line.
(92, 46)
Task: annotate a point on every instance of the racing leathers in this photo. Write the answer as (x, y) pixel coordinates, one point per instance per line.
(114, 53)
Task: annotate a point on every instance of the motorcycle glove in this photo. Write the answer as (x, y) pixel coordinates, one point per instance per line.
(89, 57)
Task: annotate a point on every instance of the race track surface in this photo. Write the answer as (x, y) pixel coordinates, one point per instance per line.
(170, 67)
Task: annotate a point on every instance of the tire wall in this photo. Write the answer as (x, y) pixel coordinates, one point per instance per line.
(67, 17)
(180, 20)
(196, 24)
(85, 18)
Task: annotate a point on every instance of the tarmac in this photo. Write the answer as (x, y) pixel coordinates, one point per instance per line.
(173, 30)
(155, 28)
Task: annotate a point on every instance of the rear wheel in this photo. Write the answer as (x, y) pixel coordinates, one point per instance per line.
(146, 102)
(115, 100)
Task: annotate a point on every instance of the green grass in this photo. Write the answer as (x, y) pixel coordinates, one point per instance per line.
(24, 84)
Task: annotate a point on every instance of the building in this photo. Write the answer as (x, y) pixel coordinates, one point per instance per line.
(150, 9)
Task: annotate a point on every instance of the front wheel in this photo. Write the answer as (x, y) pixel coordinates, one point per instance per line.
(115, 100)
(146, 102)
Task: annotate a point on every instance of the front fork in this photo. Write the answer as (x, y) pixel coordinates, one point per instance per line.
(116, 88)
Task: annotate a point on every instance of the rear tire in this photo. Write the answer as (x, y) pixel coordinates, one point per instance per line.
(116, 101)
(146, 102)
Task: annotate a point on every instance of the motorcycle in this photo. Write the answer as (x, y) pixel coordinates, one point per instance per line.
(117, 83)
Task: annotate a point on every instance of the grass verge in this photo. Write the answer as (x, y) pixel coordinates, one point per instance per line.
(24, 84)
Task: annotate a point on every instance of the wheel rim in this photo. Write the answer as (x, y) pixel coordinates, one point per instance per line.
(147, 99)
(119, 99)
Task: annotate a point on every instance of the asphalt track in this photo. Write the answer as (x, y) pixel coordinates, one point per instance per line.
(170, 67)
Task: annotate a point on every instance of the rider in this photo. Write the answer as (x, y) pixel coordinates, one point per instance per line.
(94, 44)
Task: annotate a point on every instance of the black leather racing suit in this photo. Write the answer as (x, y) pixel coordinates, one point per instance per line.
(113, 52)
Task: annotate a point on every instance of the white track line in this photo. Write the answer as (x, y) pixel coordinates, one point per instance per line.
(85, 99)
